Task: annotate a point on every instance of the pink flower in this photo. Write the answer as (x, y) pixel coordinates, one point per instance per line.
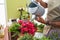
(24, 30)
(20, 21)
(27, 27)
(23, 24)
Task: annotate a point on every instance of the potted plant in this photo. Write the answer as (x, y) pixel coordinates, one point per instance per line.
(22, 27)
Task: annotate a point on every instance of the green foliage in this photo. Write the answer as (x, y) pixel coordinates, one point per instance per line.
(14, 27)
(29, 37)
(40, 27)
(26, 37)
(45, 38)
(24, 15)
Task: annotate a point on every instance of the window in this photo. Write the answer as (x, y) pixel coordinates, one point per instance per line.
(2, 13)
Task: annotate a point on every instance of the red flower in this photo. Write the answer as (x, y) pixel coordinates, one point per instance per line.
(20, 21)
(23, 24)
(24, 30)
(27, 27)
(31, 32)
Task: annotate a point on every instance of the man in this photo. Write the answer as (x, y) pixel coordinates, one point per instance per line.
(40, 19)
(53, 19)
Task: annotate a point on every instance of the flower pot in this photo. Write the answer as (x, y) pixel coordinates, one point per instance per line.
(38, 35)
(15, 37)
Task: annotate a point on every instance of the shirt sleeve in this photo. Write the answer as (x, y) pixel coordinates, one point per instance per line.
(45, 1)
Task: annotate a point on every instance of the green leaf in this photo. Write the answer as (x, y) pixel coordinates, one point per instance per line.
(26, 37)
(40, 27)
(15, 34)
(14, 27)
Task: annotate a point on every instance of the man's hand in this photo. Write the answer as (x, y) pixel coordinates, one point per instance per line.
(56, 24)
(39, 19)
(42, 3)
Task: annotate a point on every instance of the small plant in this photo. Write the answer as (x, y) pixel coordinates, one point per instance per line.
(29, 37)
(27, 28)
(45, 38)
(39, 27)
(26, 37)
(14, 27)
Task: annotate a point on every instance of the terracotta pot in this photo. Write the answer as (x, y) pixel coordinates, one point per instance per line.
(13, 38)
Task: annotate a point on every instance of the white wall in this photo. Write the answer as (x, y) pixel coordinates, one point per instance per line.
(2, 13)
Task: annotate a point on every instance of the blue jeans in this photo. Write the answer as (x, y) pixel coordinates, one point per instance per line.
(54, 33)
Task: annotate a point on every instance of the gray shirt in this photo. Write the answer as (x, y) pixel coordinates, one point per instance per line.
(53, 9)
(54, 12)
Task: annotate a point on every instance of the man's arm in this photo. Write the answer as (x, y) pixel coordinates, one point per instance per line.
(54, 23)
(42, 3)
